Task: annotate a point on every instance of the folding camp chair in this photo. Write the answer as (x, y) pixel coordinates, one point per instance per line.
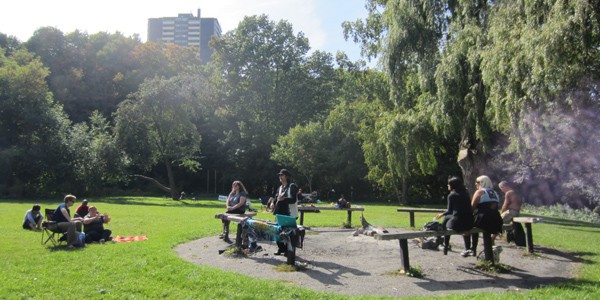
(51, 230)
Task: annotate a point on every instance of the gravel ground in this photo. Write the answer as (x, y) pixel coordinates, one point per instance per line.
(335, 261)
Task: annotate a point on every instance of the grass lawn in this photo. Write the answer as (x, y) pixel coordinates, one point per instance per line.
(151, 269)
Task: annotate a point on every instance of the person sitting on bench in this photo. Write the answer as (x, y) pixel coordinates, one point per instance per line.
(236, 204)
(512, 202)
(458, 216)
(485, 205)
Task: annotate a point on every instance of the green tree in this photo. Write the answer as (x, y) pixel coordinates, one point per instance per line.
(98, 161)
(157, 125)
(33, 147)
(267, 84)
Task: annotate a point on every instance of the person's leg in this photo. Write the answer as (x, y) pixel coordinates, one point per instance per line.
(106, 234)
(474, 242)
(69, 227)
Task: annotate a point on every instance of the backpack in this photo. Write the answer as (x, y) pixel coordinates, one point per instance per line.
(433, 242)
(432, 226)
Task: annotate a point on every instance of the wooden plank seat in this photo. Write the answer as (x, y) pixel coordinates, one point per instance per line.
(295, 239)
(349, 210)
(413, 210)
(403, 241)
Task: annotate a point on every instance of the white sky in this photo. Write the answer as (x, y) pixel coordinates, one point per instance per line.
(320, 20)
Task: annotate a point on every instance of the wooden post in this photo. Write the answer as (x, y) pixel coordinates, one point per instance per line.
(349, 225)
(412, 219)
(487, 247)
(404, 255)
(529, 237)
(238, 236)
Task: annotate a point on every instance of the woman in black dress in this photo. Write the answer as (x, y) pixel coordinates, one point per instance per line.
(458, 216)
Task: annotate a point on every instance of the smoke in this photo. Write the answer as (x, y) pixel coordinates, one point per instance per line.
(558, 156)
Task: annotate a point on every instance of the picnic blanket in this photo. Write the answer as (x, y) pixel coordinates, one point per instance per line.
(125, 239)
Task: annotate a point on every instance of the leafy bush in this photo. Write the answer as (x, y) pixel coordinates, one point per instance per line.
(564, 211)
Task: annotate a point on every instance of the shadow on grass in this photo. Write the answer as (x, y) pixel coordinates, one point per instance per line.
(578, 257)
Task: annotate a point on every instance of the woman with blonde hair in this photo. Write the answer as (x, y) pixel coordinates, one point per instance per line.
(485, 205)
(236, 204)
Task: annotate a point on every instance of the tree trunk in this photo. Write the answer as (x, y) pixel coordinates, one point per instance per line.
(171, 180)
(473, 164)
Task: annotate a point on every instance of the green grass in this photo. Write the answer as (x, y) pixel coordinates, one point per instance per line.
(151, 269)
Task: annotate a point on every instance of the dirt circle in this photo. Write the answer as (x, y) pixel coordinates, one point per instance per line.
(336, 261)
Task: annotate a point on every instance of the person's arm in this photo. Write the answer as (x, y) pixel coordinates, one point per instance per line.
(241, 203)
(65, 213)
(227, 201)
(449, 209)
(508, 198)
(89, 220)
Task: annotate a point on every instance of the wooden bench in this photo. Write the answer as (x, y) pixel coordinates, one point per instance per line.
(239, 218)
(403, 240)
(528, 230)
(413, 210)
(304, 209)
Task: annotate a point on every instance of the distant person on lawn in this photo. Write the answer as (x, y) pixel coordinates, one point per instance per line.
(82, 209)
(33, 218)
(62, 216)
(94, 226)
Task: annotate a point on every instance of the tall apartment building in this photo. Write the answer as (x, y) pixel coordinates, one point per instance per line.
(185, 30)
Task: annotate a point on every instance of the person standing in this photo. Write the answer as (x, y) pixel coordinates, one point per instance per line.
(62, 216)
(33, 218)
(458, 216)
(485, 206)
(286, 202)
(236, 204)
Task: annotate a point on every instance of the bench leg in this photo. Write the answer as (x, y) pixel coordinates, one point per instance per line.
(349, 223)
(301, 218)
(412, 219)
(238, 236)
(487, 247)
(529, 236)
(404, 255)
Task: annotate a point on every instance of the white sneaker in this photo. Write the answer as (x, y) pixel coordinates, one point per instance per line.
(102, 241)
(466, 253)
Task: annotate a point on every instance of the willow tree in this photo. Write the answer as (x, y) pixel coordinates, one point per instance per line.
(408, 34)
(493, 62)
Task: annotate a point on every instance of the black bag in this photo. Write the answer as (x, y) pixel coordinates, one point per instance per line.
(432, 226)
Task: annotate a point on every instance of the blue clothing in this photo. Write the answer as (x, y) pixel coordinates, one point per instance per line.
(58, 215)
(234, 199)
(489, 195)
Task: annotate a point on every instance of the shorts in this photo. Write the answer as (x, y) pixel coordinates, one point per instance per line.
(508, 215)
